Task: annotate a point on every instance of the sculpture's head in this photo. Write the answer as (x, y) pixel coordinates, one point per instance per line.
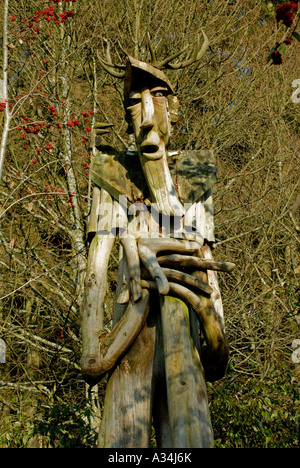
(151, 107)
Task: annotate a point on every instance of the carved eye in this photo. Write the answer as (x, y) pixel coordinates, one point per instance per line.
(159, 92)
(133, 101)
(134, 98)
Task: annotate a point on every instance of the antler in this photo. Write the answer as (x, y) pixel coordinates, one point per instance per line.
(197, 54)
(195, 57)
(108, 65)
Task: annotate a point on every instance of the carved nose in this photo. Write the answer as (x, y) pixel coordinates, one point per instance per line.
(147, 110)
(147, 123)
(151, 144)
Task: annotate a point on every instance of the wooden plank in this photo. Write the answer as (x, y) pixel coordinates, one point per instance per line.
(190, 425)
(212, 279)
(94, 300)
(215, 350)
(192, 172)
(93, 217)
(127, 414)
(209, 216)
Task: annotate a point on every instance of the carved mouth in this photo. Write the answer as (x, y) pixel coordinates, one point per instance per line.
(151, 147)
(151, 150)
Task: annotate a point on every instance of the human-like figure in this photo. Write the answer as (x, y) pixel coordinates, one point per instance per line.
(168, 318)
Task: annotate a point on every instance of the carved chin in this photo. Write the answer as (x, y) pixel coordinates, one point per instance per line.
(153, 156)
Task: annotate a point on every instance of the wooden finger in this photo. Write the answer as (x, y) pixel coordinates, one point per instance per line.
(132, 256)
(185, 261)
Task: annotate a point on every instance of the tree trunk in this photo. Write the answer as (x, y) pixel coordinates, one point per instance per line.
(7, 116)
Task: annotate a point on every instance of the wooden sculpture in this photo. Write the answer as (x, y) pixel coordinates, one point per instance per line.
(168, 329)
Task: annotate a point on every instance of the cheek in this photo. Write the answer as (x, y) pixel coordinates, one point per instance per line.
(136, 117)
(162, 119)
(164, 127)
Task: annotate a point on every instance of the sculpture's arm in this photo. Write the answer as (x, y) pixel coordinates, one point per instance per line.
(133, 264)
(112, 346)
(101, 350)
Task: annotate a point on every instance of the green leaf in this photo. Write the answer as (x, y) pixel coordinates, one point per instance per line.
(296, 35)
(267, 401)
(268, 439)
(282, 49)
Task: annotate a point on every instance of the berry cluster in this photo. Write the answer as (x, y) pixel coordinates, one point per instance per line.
(45, 15)
(2, 106)
(285, 13)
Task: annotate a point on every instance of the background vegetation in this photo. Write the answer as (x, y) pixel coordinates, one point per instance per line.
(234, 102)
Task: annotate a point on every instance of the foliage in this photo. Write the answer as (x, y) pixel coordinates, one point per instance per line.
(66, 426)
(248, 413)
(61, 425)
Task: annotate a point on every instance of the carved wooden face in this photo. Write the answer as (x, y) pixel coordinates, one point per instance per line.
(146, 99)
(148, 108)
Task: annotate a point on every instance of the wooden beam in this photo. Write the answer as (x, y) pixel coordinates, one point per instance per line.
(189, 418)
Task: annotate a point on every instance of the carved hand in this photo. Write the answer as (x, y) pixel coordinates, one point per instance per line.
(165, 271)
(147, 249)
